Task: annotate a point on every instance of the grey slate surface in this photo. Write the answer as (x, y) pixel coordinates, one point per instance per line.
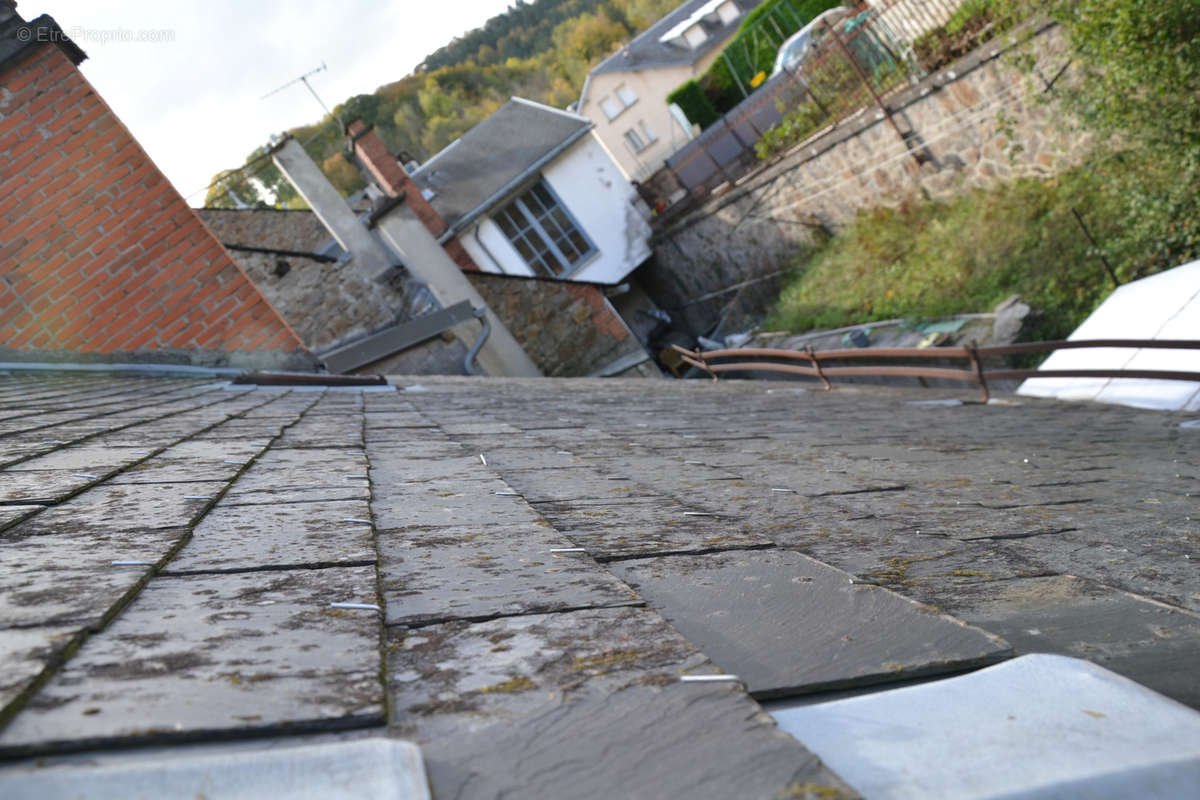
(478, 572)
(518, 137)
(645, 51)
(998, 506)
(216, 652)
(786, 624)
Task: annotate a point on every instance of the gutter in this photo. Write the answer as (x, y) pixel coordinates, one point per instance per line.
(462, 222)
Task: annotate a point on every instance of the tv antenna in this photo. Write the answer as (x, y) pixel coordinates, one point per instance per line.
(304, 79)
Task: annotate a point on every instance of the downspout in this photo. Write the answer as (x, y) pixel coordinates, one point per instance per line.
(484, 248)
(469, 361)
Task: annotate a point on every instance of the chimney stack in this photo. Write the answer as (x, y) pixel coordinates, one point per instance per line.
(390, 175)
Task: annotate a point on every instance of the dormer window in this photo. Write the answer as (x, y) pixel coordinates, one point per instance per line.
(728, 12)
(695, 36)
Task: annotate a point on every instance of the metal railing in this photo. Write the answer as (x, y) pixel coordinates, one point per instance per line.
(863, 62)
(819, 363)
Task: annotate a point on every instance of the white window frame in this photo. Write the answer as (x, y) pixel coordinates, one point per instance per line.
(611, 108)
(626, 95)
(531, 219)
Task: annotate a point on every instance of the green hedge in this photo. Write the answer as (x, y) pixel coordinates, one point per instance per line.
(718, 84)
(695, 103)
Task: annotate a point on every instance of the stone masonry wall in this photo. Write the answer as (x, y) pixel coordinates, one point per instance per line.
(961, 120)
(568, 329)
(100, 258)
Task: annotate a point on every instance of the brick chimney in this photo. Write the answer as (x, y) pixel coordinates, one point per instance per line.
(391, 177)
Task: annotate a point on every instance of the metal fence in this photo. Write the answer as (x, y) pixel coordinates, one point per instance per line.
(820, 365)
(857, 64)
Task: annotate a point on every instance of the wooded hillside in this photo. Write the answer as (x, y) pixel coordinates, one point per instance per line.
(540, 50)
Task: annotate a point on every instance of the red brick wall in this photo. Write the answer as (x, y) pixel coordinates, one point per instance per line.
(99, 256)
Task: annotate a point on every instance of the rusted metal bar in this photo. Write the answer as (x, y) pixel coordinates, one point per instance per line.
(973, 353)
(766, 366)
(835, 355)
(816, 362)
(905, 372)
(1045, 347)
(870, 88)
(977, 373)
(1153, 374)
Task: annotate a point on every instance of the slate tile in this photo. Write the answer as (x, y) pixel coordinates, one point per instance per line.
(574, 483)
(1155, 644)
(645, 526)
(69, 577)
(25, 652)
(48, 485)
(216, 654)
(584, 704)
(249, 536)
(86, 457)
(456, 675)
(474, 573)
(644, 742)
(111, 507)
(390, 469)
(787, 624)
(11, 514)
(443, 502)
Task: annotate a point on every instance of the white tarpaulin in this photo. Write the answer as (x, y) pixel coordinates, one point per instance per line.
(1163, 306)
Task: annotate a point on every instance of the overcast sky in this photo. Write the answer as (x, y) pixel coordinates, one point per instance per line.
(189, 83)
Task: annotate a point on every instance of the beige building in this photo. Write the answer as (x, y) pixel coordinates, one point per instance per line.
(626, 94)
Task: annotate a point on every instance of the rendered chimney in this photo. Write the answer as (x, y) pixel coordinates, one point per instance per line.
(370, 257)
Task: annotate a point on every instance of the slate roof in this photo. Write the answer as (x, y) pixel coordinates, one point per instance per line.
(648, 51)
(17, 36)
(549, 557)
(495, 157)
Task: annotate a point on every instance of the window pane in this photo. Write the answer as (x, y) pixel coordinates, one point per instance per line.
(543, 232)
(626, 95)
(610, 108)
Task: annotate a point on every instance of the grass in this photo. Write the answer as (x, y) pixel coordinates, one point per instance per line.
(930, 259)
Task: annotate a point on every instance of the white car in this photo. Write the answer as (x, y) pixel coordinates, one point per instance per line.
(804, 41)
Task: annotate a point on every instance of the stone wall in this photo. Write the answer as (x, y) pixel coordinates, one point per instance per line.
(569, 329)
(975, 124)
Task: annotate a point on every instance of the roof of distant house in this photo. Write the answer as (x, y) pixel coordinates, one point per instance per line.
(496, 157)
(660, 45)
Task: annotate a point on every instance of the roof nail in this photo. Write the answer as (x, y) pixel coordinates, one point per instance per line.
(696, 514)
(84, 475)
(227, 461)
(139, 452)
(484, 460)
(567, 550)
(132, 564)
(363, 606)
(709, 678)
(508, 494)
(356, 519)
(197, 497)
(354, 477)
(789, 491)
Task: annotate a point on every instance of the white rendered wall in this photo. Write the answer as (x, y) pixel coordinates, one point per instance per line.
(592, 188)
(1163, 306)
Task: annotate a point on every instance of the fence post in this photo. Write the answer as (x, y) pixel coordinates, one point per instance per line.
(867, 82)
(733, 72)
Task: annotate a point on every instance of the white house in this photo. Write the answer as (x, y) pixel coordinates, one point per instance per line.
(531, 191)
